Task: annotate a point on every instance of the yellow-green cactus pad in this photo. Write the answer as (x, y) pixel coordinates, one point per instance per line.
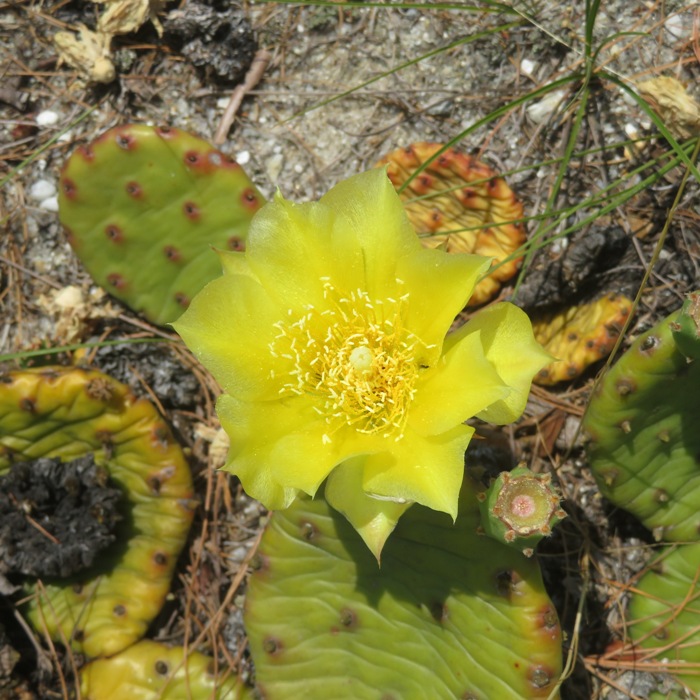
(663, 619)
(449, 614)
(143, 206)
(68, 412)
(152, 671)
(579, 336)
(461, 205)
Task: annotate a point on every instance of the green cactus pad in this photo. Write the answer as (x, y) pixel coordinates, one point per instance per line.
(645, 442)
(152, 671)
(143, 206)
(68, 412)
(450, 614)
(664, 617)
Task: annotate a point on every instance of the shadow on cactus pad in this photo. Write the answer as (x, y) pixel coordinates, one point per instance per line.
(143, 206)
(450, 614)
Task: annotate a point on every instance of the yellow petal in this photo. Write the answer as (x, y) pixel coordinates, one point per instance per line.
(462, 384)
(352, 236)
(427, 470)
(373, 519)
(371, 231)
(228, 326)
(280, 447)
(288, 249)
(439, 285)
(510, 346)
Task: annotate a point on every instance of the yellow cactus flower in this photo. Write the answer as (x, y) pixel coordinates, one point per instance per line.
(329, 337)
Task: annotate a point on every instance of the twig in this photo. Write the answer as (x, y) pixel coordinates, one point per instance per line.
(252, 78)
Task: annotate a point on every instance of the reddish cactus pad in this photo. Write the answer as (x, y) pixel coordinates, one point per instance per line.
(579, 336)
(460, 204)
(144, 206)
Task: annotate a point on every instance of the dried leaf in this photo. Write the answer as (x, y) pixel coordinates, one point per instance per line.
(670, 100)
(124, 16)
(87, 52)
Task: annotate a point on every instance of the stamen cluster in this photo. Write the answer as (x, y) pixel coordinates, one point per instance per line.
(356, 357)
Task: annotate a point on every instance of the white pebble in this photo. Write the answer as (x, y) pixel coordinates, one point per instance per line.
(527, 66)
(540, 111)
(42, 189)
(50, 204)
(222, 102)
(243, 157)
(46, 118)
(298, 168)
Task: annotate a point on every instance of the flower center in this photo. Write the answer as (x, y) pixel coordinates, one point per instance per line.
(356, 358)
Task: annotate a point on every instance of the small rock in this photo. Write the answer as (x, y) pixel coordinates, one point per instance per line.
(527, 66)
(50, 203)
(41, 190)
(540, 111)
(46, 118)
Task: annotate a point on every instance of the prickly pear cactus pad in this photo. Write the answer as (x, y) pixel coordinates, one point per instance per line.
(142, 207)
(663, 618)
(579, 336)
(459, 204)
(68, 412)
(643, 425)
(450, 613)
(152, 671)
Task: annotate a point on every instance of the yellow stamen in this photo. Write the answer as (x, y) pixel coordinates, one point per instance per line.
(356, 358)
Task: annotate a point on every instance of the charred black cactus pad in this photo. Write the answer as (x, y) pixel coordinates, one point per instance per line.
(215, 36)
(55, 517)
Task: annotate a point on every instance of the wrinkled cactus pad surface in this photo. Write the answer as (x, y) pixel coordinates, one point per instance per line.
(460, 204)
(579, 336)
(143, 206)
(66, 413)
(645, 441)
(152, 671)
(450, 613)
(663, 618)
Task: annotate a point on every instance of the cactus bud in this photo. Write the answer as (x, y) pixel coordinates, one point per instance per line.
(520, 508)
